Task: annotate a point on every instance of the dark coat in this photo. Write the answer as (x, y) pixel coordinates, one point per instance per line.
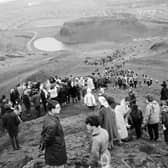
(164, 93)
(108, 122)
(53, 140)
(36, 99)
(11, 123)
(26, 101)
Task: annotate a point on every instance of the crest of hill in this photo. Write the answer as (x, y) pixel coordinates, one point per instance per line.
(159, 46)
(39, 76)
(86, 30)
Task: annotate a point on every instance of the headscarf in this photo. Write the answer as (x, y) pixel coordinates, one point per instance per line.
(89, 90)
(101, 92)
(103, 101)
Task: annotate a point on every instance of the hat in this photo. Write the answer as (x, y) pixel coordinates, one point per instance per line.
(89, 90)
(164, 83)
(103, 101)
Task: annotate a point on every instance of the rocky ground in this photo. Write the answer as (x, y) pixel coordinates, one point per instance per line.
(132, 154)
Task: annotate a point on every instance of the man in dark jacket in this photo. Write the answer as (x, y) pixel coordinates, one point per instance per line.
(164, 92)
(132, 98)
(11, 123)
(36, 101)
(136, 119)
(52, 137)
(27, 103)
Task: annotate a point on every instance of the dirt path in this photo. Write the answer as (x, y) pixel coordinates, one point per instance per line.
(29, 44)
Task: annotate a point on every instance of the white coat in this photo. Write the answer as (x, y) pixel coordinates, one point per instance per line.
(89, 99)
(120, 111)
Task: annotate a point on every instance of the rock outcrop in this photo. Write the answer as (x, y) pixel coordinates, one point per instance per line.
(118, 29)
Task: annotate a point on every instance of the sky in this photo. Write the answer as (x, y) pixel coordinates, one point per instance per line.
(4, 1)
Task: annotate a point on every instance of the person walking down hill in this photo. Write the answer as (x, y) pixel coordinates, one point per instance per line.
(107, 120)
(132, 98)
(44, 96)
(27, 103)
(152, 117)
(18, 110)
(36, 98)
(113, 104)
(164, 119)
(136, 120)
(52, 137)
(164, 92)
(89, 100)
(14, 96)
(121, 112)
(11, 123)
(100, 156)
(90, 83)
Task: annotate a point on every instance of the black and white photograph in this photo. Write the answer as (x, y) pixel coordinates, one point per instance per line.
(83, 83)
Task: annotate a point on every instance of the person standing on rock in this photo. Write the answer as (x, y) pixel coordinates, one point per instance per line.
(11, 123)
(52, 137)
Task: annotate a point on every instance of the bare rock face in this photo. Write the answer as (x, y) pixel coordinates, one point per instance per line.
(119, 28)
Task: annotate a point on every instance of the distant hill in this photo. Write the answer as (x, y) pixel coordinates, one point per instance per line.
(117, 28)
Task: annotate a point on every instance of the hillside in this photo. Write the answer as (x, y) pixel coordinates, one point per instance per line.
(132, 154)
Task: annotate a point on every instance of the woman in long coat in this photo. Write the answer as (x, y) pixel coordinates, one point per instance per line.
(121, 113)
(107, 120)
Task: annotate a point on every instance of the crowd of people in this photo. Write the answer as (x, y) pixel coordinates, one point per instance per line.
(109, 127)
(118, 54)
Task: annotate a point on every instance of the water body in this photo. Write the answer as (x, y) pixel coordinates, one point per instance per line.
(49, 44)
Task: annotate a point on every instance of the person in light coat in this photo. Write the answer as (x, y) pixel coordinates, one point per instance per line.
(121, 113)
(89, 100)
(152, 117)
(90, 83)
(53, 92)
